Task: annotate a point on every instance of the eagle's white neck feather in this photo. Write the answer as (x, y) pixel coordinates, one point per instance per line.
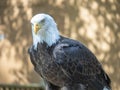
(50, 37)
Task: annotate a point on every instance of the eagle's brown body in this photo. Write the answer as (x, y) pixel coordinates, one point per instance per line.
(68, 63)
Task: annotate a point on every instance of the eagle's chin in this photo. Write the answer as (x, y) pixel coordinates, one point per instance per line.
(49, 36)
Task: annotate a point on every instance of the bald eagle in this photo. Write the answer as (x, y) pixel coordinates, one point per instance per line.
(64, 63)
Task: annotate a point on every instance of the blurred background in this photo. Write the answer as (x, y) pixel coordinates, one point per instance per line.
(96, 23)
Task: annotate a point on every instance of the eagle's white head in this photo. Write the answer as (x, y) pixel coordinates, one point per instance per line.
(44, 29)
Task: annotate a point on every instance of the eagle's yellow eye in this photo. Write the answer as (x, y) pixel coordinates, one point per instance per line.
(36, 28)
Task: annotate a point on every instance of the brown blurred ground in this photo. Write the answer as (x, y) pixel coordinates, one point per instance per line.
(96, 23)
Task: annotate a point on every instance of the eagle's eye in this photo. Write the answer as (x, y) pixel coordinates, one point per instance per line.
(43, 20)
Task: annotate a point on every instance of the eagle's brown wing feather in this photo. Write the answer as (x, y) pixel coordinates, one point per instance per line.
(79, 63)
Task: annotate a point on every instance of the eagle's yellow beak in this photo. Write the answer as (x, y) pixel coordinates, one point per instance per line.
(36, 28)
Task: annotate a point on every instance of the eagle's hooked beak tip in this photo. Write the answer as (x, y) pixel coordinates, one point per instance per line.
(36, 28)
